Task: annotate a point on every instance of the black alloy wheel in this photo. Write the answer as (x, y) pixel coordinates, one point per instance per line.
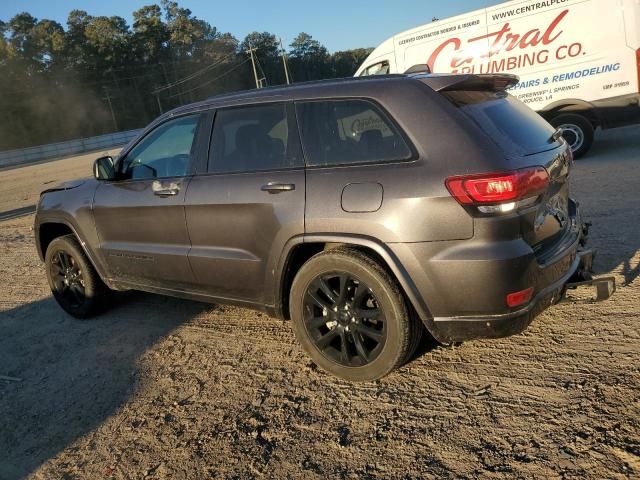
(73, 280)
(68, 280)
(350, 316)
(344, 319)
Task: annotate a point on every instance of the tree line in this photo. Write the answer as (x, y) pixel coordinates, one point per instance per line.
(100, 75)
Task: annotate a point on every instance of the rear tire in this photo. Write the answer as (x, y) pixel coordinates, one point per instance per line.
(350, 316)
(578, 132)
(74, 282)
(416, 336)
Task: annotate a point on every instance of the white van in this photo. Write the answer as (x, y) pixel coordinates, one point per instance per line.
(578, 60)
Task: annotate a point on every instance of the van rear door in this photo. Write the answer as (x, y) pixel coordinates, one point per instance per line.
(631, 12)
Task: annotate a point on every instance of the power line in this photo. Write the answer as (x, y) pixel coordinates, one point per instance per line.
(210, 81)
(78, 71)
(74, 81)
(113, 115)
(193, 75)
(168, 86)
(180, 65)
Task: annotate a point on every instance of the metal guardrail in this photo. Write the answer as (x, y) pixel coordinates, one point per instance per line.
(16, 213)
(65, 149)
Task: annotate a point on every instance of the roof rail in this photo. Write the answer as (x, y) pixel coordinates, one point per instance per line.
(306, 84)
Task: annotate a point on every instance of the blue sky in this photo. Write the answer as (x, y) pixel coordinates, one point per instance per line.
(338, 24)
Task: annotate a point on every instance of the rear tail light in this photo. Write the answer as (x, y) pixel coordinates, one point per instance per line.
(498, 192)
(519, 298)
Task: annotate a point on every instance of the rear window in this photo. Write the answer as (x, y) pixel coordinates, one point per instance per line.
(252, 138)
(338, 132)
(509, 122)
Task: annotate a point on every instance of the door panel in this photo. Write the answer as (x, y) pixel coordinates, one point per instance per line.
(241, 214)
(238, 230)
(143, 238)
(140, 217)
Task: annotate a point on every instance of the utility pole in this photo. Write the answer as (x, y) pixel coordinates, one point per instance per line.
(284, 61)
(159, 104)
(164, 71)
(253, 62)
(113, 115)
(175, 79)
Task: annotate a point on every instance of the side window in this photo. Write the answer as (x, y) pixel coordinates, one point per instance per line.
(348, 131)
(380, 68)
(164, 152)
(252, 138)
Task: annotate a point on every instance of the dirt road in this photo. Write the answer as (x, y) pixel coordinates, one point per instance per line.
(164, 388)
(21, 187)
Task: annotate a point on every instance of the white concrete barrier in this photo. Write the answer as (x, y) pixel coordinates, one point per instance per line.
(65, 149)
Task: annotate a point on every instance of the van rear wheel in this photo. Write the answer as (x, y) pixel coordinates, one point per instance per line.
(577, 131)
(350, 316)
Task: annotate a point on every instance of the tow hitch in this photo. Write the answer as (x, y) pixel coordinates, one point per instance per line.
(604, 286)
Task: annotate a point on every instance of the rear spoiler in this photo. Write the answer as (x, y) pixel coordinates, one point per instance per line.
(489, 82)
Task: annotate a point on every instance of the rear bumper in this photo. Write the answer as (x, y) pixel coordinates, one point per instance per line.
(464, 284)
(457, 329)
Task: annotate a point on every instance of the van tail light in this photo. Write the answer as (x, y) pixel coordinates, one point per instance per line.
(498, 192)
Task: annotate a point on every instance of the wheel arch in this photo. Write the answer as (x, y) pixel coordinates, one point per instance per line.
(51, 228)
(48, 232)
(299, 250)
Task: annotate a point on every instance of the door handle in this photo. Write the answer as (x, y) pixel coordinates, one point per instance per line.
(165, 190)
(278, 187)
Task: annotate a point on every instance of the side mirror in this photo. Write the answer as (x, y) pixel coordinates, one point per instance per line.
(104, 169)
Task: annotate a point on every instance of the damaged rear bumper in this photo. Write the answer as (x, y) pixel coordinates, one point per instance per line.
(458, 329)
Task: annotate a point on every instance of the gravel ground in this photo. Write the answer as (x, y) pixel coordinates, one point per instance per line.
(165, 388)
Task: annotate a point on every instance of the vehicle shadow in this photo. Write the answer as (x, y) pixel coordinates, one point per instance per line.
(63, 377)
(605, 183)
(67, 377)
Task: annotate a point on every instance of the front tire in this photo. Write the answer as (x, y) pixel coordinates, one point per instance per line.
(74, 282)
(349, 315)
(577, 131)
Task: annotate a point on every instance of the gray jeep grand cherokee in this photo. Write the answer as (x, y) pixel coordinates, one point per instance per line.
(365, 210)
